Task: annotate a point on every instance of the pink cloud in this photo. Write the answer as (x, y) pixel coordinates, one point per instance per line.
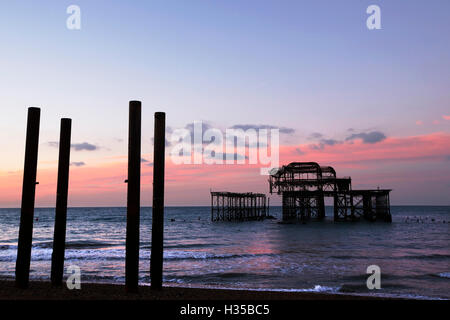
(416, 148)
(446, 117)
(103, 185)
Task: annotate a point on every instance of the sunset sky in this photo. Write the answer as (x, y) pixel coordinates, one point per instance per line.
(375, 104)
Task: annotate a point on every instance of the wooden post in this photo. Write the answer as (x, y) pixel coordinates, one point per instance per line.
(156, 262)
(28, 198)
(59, 235)
(133, 198)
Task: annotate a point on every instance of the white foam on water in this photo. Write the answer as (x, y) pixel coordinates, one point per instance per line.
(400, 295)
(317, 288)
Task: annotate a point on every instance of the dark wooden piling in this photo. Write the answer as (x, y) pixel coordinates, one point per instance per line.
(28, 198)
(133, 199)
(156, 262)
(59, 236)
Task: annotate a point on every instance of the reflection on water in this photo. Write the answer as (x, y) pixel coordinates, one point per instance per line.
(412, 252)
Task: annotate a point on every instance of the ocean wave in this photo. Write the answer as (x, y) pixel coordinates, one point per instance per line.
(347, 257)
(435, 256)
(330, 290)
(317, 288)
(45, 254)
(202, 255)
(444, 275)
(88, 251)
(79, 244)
(410, 296)
(185, 246)
(362, 287)
(393, 279)
(210, 277)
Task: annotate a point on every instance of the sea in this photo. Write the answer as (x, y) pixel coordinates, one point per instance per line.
(412, 252)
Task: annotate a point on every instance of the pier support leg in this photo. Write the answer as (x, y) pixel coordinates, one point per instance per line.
(156, 263)
(321, 206)
(59, 235)
(28, 198)
(133, 197)
(335, 207)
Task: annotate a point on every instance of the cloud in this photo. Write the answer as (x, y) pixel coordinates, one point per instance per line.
(370, 137)
(263, 126)
(102, 183)
(76, 146)
(147, 163)
(84, 146)
(299, 151)
(190, 127)
(189, 135)
(420, 149)
(54, 144)
(445, 117)
(315, 135)
(419, 122)
(329, 142)
(366, 137)
(324, 142)
(78, 164)
(232, 156)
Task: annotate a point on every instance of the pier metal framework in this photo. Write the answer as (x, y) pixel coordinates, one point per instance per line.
(232, 206)
(304, 186)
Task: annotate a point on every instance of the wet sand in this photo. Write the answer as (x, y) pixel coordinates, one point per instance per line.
(95, 291)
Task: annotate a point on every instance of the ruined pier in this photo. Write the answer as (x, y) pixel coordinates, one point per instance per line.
(232, 206)
(305, 185)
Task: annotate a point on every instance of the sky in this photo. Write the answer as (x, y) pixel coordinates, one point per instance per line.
(374, 104)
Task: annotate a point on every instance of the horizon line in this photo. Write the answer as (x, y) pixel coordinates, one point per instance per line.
(196, 206)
